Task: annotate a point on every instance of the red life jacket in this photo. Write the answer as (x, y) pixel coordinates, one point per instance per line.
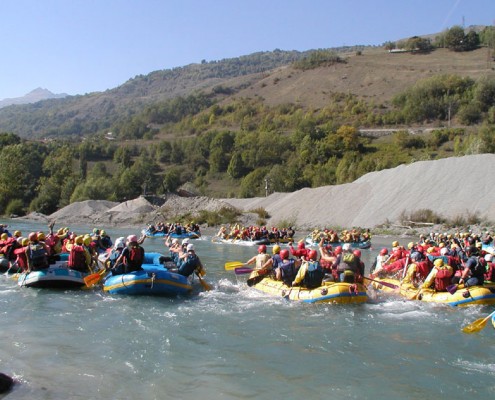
(21, 258)
(136, 257)
(77, 258)
(423, 268)
(490, 273)
(443, 279)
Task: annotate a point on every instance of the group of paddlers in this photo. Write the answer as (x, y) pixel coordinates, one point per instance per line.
(302, 266)
(173, 227)
(253, 232)
(346, 236)
(39, 249)
(438, 261)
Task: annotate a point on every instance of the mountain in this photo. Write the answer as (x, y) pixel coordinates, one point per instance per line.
(32, 97)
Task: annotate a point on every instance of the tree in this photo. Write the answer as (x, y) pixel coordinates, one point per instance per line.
(454, 38)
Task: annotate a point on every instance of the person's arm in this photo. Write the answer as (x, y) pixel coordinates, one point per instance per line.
(300, 274)
(430, 278)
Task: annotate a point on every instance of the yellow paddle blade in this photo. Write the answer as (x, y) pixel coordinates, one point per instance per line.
(206, 285)
(233, 265)
(92, 279)
(476, 326)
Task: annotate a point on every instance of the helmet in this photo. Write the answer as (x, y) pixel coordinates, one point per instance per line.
(4, 236)
(395, 243)
(430, 250)
(441, 245)
(415, 255)
(420, 249)
(312, 254)
(79, 240)
(102, 232)
(132, 238)
(276, 249)
(346, 247)
(470, 249)
(119, 243)
(33, 237)
(438, 262)
(488, 257)
(25, 242)
(284, 254)
(185, 241)
(383, 252)
(301, 245)
(17, 233)
(338, 250)
(410, 245)
(328, 247)
(41, 236)
(262, 248)
(175, 241)
(87, 240)
(397, 254)
(357, 253)
(444, 251)
(190, 247)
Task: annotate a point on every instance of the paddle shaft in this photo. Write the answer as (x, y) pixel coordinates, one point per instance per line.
(390, 285)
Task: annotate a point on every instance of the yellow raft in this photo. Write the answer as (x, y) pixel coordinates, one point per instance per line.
(475, 295)
(328, 292)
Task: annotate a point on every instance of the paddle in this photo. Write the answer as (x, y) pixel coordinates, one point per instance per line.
(93, 279)
(477, 325)
(390, 285)
(206, 285)
(11, 265)
(242, 271)
(229, 266)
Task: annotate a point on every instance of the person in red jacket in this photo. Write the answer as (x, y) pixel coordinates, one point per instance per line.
(301, 251)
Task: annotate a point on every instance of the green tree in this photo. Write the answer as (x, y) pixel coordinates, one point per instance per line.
(454, 38)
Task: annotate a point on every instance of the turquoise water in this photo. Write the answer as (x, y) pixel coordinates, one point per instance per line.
(235, 343)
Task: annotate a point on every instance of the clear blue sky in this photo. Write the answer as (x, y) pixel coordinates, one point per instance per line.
(81, 46)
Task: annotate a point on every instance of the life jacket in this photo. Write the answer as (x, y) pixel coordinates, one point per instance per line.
(8, 248)
(135, 258)
(490, 272)
(37, 256)
(277, 260)
(288, 270)
(443, 279)
(314, 275)
(348, 262)
(77, 258)
(189, 264)
(423, 268)
(21, 258)
(261, 259)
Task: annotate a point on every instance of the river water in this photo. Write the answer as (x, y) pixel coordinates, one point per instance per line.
(235, 343)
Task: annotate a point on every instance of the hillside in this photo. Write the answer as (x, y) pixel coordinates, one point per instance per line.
(33, 96)
(375, 76)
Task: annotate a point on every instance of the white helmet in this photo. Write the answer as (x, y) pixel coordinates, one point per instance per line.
(488, 258)
(190, 247)
(346, 247)
(185, 241)
(119, 243)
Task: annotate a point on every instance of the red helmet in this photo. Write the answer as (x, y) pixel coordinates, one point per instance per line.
(284, 254)
(301, 245)
(261, 248)
(328, 247)
(397, 254)
(383, 252)
(33, 237)
(338, 250)
(357, 253)
(312, 254)
(132, 238)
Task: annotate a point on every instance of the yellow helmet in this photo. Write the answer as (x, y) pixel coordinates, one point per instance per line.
(17, 234)
(438, 262)
(410, 245)
(25, 242)
(276, 249)
(395, 243)
(4, 236)
(79, 240)
(87, 240)
(41, 236)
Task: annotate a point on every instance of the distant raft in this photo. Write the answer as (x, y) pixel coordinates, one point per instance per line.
(184, 235)
(474, 295)
(155, 280)
(363, 245)
(328, 292)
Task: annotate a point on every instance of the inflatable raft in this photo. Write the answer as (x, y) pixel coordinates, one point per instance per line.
(363, 245)
(475, 295)
(329, 292)
(185, 235)
(155, 279)
(57, 276)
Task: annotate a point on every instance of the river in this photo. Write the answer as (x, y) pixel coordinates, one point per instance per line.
(236, 343)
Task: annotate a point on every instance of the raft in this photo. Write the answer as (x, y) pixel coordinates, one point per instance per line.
(185, 235)
(57, 276)
(475, 295)
(6, 266)
(272, 242)
(155, 279)
(328, 292)
(362, 245)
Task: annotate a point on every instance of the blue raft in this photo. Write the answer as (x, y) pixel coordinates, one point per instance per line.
(155, 279)
(57, 276)
(185, 235)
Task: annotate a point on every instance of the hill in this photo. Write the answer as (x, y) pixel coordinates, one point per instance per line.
(34, 96)
(372, 74)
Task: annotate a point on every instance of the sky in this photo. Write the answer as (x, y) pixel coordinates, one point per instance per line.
(83, 46)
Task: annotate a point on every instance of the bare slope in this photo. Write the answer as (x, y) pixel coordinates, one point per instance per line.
(449, 187)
